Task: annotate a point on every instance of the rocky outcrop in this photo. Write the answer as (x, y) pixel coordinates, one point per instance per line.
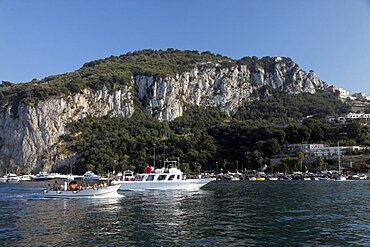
(30, 140)
(205, 85)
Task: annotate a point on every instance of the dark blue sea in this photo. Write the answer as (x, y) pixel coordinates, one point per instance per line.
(224, 213)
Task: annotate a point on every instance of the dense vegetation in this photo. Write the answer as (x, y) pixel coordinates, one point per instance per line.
(207, 139)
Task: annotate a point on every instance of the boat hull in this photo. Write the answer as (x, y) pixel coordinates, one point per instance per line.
(188, 184)
(82, 193)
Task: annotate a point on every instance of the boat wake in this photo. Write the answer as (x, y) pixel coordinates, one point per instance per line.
(108, 196)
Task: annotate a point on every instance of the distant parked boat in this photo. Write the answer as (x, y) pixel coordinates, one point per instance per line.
(12, 178)
(363, 177)
(3, 179)
(41, 176)
(340, 177)
(91, 175)
(325, 179)
(27, 177)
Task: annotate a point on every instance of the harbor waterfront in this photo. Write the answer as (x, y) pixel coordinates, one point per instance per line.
(224, 213)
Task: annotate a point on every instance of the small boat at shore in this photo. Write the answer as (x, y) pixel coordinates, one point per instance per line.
(12, 178)
(90, 192)
(162, 179)
(42, 176)
(27, 177)
(3, 179)
(89, 175)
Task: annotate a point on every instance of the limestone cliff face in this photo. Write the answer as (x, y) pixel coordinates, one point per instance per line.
(205, 85)
(30, 139)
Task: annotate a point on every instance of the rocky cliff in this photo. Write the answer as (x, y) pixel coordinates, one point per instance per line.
(30, 140)
(205, 85)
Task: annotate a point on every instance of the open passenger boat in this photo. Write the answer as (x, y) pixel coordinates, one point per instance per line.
(75, 192)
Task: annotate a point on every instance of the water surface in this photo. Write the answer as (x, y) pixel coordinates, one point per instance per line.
(230, 213)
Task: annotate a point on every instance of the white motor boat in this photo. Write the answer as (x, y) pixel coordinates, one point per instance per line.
(162, 179)
(68, 177)
(89, 192)
(12, 178)
(3, 179)
(27, 177)
(363, 177)
(91, 175)
(43, 176)
(340, 178)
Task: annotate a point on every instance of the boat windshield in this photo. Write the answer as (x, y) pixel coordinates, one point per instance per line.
(162, 177)
(150, 178)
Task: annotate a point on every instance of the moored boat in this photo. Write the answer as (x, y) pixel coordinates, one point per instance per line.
(12, 178)
(42, 176)
(340, 177)
(26, 177)
(91, 175)
(3, 179)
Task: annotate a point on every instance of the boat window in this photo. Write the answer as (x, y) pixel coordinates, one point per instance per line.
(150, 178)
(171, 177)
(162, 177)
(178, 176)
(139, 178)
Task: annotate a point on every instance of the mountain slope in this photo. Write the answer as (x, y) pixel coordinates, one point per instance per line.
(161, 83)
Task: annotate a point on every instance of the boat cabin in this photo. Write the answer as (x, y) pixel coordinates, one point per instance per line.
(163, 174)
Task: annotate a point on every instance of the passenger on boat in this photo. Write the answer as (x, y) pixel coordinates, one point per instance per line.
(149, 169)
(56, 186)
(72, 186)
(48, 188)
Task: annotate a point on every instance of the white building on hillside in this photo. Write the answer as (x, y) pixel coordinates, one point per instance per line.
(352, 115)
(343, 93)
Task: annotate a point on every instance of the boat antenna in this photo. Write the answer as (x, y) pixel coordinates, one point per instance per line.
(154, 155)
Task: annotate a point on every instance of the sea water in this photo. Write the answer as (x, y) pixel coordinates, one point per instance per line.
(227, 213)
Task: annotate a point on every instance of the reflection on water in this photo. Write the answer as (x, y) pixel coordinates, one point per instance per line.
(224, 214)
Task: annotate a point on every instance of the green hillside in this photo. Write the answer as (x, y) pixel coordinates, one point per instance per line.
(205, 138)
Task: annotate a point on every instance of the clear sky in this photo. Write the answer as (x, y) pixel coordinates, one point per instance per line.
(46, 37)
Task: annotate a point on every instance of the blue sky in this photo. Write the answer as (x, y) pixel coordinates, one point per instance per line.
(45, 37)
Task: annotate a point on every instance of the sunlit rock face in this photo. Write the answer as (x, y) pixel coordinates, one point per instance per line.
(31, 140)
(166, 98)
